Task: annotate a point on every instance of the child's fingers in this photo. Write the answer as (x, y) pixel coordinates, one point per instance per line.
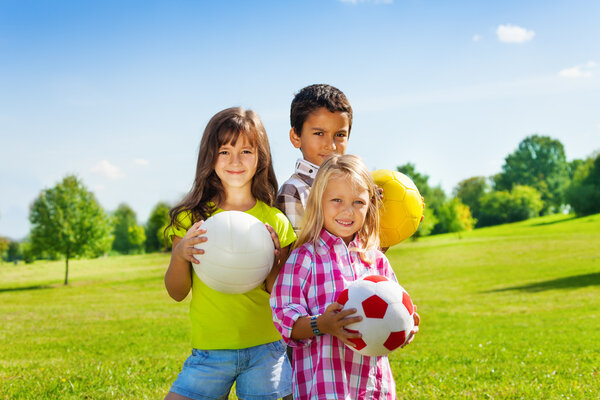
(334, 307)
(190, 255)
(416, 318)
(350, 320)
(274, 237)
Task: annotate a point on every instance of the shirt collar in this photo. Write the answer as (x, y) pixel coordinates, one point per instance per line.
(307, 169)
(330, 240)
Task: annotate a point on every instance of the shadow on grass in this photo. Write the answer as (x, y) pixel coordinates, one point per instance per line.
(555, 222)
(24, 288)
(571, 282)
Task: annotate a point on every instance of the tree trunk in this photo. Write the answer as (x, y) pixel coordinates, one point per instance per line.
(67, 268)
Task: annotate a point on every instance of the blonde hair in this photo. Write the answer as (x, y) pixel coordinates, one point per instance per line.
(354, 170)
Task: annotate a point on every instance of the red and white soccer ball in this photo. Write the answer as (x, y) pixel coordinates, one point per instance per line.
(387, 312)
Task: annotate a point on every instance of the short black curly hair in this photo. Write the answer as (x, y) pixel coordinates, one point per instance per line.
(316, 96)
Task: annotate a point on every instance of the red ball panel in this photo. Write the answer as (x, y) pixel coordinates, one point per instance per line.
(376, 278)
(408, 303)
(374, 307)
(360, 344)
(395, 340)
(343, 297)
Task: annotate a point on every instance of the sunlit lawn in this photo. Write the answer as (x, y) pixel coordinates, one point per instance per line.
(507, 312)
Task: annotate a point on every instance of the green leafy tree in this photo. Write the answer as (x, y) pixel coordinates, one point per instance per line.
(583, 193)
(68, 220)
(434, 199)
(13, 252)
(470, 191)
(454, 216)
(4, 244)
(129, 236)
(159, 218)
(539, 162)
(500, 207)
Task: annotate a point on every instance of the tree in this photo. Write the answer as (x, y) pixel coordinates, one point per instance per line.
(4, 244)
(539, 162)
(470, 191)
(68, 220)
(500, 207)
(454, 216)
(434, 199)
(129, 236)
(583, 193)
(159, 218)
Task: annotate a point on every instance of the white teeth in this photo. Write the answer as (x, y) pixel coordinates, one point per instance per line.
(343, 223)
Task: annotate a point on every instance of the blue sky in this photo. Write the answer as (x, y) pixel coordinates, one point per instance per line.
(119, 92)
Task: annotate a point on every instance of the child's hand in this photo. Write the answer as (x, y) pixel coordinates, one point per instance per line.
(185, 248)
(411, 336)
(334, 320)
(275, 240)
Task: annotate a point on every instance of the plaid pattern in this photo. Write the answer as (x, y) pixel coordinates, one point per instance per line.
(324, 368)
(292, 196)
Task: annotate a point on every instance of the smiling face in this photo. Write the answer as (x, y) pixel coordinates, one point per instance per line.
(345, 207)
(236, 164)
(323, 133)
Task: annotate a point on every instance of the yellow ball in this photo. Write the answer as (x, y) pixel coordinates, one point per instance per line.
(402, 207)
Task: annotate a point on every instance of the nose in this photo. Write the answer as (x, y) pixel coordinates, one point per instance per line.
(330, 144)
(235, 159)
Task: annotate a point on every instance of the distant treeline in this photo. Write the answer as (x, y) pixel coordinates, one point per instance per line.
(536, 179)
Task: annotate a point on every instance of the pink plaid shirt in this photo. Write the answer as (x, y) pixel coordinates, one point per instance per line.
(324, 368)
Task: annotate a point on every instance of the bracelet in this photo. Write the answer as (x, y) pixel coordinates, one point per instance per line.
(313, 325)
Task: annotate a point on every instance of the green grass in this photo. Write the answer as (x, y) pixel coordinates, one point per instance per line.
(508, 312)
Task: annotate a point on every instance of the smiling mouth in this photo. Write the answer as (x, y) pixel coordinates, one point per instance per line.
(235, 172)
(344, 223)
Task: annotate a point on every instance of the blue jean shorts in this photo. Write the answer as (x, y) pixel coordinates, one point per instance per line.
(260, 373)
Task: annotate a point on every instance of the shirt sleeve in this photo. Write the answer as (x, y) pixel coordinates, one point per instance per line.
(288, 201)
(184, 219)
(288, 298)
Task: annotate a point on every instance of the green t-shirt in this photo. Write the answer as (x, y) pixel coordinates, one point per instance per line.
(234, 321)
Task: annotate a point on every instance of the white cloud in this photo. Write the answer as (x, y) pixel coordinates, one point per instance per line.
(141, 162)
(107, 170)
(476, 38)
(579, 71)
(367, 1)
(514, 34)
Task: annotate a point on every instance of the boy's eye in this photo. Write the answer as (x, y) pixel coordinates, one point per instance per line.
(318, 133)
(341, 134)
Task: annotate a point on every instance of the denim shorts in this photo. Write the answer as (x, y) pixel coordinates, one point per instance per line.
(260, 373)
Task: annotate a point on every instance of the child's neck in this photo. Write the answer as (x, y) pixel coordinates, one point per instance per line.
(238, 200)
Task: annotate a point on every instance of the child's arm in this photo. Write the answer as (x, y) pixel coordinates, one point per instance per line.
(333, 322)
(178, 278)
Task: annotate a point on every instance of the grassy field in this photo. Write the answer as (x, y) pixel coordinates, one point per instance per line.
(509, 312)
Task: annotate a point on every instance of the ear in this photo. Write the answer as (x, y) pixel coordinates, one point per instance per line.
(295, 138)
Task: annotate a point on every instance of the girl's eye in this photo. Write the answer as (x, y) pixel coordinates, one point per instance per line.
(223, 152)
(360, 202)
(247, 152)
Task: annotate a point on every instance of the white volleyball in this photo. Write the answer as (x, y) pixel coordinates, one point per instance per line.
(238, 253)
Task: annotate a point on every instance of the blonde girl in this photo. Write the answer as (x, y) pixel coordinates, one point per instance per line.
(233, 337)
(338, 244)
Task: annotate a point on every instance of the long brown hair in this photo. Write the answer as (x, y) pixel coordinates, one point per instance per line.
(223, 128)
(358, 177)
